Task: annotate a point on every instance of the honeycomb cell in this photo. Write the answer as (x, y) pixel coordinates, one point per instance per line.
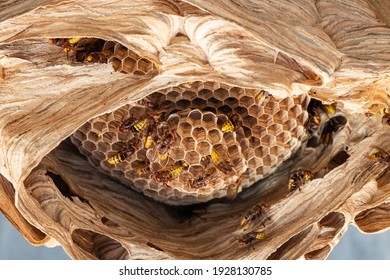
(141, 154)
(286, 104)
(189, 95)
(236, 92)
(260, 170)
(174, 96)
(254, 141)
(283, 138)
(89, 145)
(247, 131)
(158, 97)
(192, 157)
(229, 138)
(109, 137)
(99, 126)
(85, 128)
(94, 136)
(195, 117)
(234, 152)
(120, 51)
(225, 110)
(186, 177)
(261, 151)
(295, 111)
(241, 111)
(209, 120)
(213, 102)
(99, 155)
(265, 120)
(275, 129)
(221, 94)
(199, 133)
(205, 94)
(231, 102)
(268, 140)
(166, 105)
(276, 151)
(210, 109)
(271, 108)
(270, 160)
(203, 148)
(259, 131)
(196, 170)
(183, 104)
(118, 172)
(144, 65)
(129, 65)
(199, 103)
(249, 121)
(298, 132)
(255, 161)
(108, 48)
(281, 116)
(188, 143)
(80, 135)
(177, 154)
(301, 119)
(214, 136)
(301, 100)
(140, 183)
(133, 55)
(104, 147)
(289, 125)
(255, 110)
(246, 101)
(184, 128)
(116, 63)
(173, 121)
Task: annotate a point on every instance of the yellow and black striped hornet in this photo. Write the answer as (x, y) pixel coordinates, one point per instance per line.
(329, 109)
(331, 127)
(148, 138)
(262, 97)
(250, 237)
(381, 156)
(133, 125)
(299, 178)
(92, 57)
(67, 44)
(232, 123)
(90, 50)
(171, 173)
(151, 129)
(220, 164)
(313, 122)
(121, 156)
(163, 144)
(254, 213)
(202, 181)
(147, 102)
(143, 168)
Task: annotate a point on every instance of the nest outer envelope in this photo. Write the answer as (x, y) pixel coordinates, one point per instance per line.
(311, 50)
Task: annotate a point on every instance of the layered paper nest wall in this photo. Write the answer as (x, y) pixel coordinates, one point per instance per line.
(201, 62)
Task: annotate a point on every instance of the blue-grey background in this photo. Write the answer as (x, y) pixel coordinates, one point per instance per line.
(353, 246)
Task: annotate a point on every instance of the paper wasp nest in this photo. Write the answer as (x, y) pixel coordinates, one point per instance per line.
(189, 130)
